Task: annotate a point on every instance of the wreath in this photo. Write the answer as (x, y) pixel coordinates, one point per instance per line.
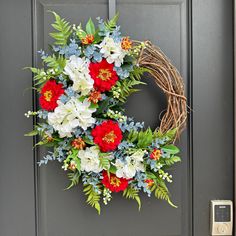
(82, 87)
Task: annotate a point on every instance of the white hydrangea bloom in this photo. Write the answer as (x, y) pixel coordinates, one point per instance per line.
(77, 69)
(112, 51)
(90, 159)
(70, 115)
(131, 165)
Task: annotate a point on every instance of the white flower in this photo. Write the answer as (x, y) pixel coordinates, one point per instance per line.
(112, 51)
(77, 69)
(90, 159)
(130, 166)
(70, 115)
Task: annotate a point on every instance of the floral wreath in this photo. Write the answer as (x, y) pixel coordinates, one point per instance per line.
(82, 88)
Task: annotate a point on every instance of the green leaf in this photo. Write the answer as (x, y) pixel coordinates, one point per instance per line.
(74, 178)
(93, 197)
(64, 30)
(90, 28)
(111, 24)
(32, 133)
(93, 105)
(133, 136)
(145, 138)
(102, 106)
(97, 37)
(172, 149)
(80, 33)
(131, 193)
(150, 175)
(87, 140)
(112, 169)
(171, 133)
(78, 163)
(168, 136)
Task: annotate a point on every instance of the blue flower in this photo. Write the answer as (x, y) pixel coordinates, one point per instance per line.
(42, 53)
(71, 49)
(43, 114)
(129, 125)
(97, 56)
(88, 52)
(70, 92)
(116, 34)
(122, 73)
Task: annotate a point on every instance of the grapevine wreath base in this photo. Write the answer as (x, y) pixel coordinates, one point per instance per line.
(82, 87)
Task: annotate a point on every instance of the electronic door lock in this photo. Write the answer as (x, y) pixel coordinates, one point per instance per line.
(221, 217)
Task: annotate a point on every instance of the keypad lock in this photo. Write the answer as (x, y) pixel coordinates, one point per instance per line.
(221, 217)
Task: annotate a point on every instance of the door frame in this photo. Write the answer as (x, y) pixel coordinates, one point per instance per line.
(234, 63)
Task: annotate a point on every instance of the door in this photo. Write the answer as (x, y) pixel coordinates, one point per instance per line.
(197, 37)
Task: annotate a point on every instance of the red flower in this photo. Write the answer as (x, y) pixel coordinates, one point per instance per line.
(114, 183)
(107, 135)
(156, 154)
(103, 75)
(50, 93)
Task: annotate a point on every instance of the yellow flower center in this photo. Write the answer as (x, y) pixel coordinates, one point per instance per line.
(48, 95)
(115, 181)
(109, 137)
(104, 74)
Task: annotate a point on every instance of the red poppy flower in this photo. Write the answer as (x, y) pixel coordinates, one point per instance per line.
(50, 93)
(103, 75)
(107, 135)
(113, 183)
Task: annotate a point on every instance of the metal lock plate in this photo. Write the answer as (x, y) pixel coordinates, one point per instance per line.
(221, 217)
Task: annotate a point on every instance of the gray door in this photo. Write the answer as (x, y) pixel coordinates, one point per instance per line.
(197, 36)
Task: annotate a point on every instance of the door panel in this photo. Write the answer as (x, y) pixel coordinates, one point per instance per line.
(17, 212)
(56, 205)
(213, 106)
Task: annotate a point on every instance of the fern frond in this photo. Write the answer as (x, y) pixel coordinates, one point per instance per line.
(162, 193)
(63, 28)
(172, 160)
(131, 193)
(74, 178)
(137, 72)
(105, 163)
(125, 87)
(40, 75)
(93, 197)
(55, 62)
